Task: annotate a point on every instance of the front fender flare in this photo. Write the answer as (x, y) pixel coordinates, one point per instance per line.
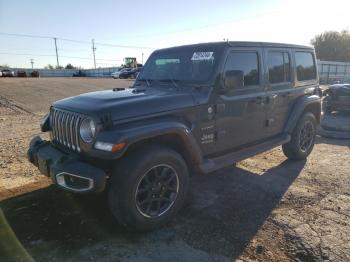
(131, 134)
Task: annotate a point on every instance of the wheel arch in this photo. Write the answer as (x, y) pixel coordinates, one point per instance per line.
(304, 104)
(173, 140)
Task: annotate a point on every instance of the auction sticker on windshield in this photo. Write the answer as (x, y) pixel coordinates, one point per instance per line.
(200, 56)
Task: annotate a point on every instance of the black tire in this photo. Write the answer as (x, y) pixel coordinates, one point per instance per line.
(125, 190)
(303, 138)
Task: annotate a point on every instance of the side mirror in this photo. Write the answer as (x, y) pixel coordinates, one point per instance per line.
(234, 79)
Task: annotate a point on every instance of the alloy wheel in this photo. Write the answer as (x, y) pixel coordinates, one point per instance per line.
(157, 191)
(307, 135)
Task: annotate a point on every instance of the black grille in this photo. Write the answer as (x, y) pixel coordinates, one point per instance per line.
(65, 128)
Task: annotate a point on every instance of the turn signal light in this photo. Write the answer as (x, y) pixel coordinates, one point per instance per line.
(118, 147)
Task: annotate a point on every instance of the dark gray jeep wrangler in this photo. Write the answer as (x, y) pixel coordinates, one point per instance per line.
(192, 109)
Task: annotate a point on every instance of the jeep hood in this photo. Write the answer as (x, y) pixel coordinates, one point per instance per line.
(131, 102)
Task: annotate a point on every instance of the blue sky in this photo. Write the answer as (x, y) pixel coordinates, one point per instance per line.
(154, 24)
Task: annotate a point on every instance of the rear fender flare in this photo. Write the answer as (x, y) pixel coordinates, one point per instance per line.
(306, 103)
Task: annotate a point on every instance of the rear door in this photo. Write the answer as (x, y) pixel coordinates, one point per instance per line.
(241, 112)
(279, 88)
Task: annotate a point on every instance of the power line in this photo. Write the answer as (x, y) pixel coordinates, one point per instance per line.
(125, 46)
(70, 40)
(77, 41)
(75, 57)
(24, 35)
(74, 41)
(4, 53)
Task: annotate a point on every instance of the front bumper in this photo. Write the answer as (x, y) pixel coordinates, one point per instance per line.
(66, 170)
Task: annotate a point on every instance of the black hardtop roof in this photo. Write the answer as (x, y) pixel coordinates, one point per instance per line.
(240, 44)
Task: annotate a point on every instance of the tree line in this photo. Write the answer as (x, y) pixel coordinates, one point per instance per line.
(68, 66)
(332, 46)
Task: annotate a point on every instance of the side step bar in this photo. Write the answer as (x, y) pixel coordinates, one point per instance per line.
(213, 164)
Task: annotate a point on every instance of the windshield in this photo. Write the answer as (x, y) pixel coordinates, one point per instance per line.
(181, 64)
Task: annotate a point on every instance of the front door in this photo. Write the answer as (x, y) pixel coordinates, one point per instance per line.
(241, 111)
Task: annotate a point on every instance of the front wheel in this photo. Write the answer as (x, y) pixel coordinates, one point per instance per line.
(303, 138)
(148, 188)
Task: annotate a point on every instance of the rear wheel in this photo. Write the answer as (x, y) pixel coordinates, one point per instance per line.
(148, 188)
(303, 138)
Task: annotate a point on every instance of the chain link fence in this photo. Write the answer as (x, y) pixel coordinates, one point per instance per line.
(333, 72)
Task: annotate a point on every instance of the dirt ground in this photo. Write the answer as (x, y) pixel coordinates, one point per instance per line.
(266, 208)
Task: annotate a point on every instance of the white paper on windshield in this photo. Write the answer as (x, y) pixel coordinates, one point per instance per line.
(202, 56)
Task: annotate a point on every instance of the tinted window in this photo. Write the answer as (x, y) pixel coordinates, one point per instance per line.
(279, 67)
(181, 64)
(305, 64)
(245, 64)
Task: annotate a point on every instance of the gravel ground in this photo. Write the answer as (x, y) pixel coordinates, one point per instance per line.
(266, 208)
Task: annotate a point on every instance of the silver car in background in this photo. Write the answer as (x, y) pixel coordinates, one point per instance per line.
(116, 74)
(7, 72)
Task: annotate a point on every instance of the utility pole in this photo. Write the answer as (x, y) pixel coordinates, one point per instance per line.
(58, 64)
(93, 51)
(32, 62)
(142, 59)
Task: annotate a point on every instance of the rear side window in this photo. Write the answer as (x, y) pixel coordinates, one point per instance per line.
(245, 64)
(305, 65)
(279, 67)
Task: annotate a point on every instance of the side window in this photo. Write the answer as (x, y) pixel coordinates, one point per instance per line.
(279, 67)
(305, 65)
(244, 65)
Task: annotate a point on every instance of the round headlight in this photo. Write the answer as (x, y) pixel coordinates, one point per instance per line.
(87, 130)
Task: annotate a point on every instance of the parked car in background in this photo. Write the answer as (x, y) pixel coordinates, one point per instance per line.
(115, 74)
(132, 73)
(122, 71)
(21, 73)
(80, 73)
(0, 74)
(336, 98)
(7, 73)
(336, 81)
(35, 74)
